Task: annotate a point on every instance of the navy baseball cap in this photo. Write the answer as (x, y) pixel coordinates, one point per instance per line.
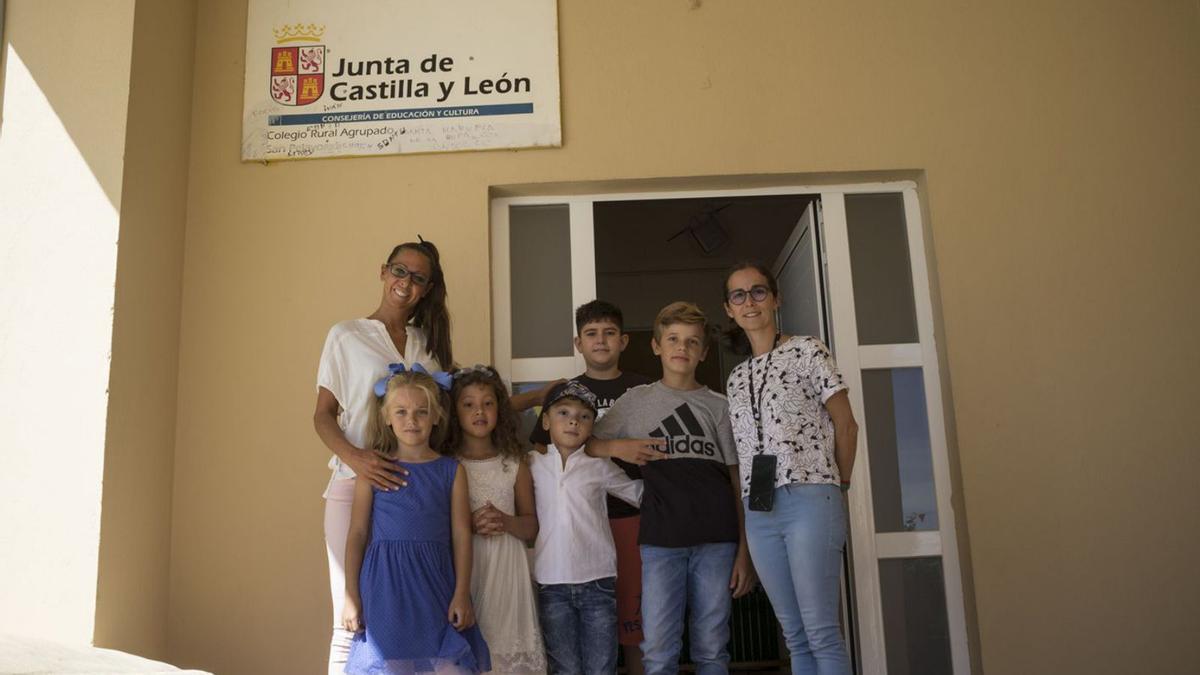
(570, 389)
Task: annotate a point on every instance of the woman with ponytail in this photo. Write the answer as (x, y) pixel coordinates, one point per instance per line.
(411, 326)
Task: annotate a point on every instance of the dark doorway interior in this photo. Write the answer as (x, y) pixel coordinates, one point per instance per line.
(652, 252)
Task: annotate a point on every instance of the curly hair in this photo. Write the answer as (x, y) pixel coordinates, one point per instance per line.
(379, 434)
(504, 436)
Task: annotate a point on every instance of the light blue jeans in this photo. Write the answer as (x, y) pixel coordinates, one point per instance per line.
(694, 579)
(579, 626)
(797, 551)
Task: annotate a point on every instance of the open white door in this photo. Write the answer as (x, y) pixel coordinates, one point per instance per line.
(797, 270)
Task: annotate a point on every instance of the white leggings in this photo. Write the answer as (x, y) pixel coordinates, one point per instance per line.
(338, 500)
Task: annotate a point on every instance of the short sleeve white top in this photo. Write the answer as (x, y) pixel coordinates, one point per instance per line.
(356, 354)
(796, 379)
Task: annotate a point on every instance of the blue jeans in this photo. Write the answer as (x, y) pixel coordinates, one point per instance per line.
(797, 551)
(579, 626)
(673, 581)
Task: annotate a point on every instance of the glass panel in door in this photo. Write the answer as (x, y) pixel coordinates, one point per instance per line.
(540, 286)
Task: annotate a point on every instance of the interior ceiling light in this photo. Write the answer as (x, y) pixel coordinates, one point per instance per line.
(706, 229)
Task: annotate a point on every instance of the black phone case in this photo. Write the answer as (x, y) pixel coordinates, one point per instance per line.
(762, 483)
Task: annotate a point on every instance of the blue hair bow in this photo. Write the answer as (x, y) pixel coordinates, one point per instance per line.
(441, 377)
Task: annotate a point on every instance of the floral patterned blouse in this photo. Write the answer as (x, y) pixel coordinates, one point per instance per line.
(800, 376)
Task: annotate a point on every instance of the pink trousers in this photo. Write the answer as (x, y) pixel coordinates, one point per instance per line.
(338, 501)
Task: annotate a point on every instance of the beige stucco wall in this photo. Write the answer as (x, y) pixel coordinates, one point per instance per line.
(1058, 143)
(135, 544)
(64, 87)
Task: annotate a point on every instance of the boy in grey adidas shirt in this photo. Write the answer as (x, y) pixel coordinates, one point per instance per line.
(692, 539)
(690, 484)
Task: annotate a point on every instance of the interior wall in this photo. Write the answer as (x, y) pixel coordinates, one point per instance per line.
(1057, 143)
(135, 544)
(62, 129)
(644, 260)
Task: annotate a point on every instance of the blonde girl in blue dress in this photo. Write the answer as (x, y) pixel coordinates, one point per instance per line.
(408, 552)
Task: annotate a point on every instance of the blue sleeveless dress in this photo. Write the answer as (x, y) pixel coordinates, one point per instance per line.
(407, 582)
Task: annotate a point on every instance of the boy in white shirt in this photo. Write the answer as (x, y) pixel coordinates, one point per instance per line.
(575, 562)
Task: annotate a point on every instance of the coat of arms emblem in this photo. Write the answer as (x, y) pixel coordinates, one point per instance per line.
(297, 74)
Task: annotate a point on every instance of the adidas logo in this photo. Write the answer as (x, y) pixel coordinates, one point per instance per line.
(684, 434)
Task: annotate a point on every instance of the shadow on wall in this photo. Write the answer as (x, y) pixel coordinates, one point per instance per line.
(48, 48)
(3, 51)
(62, 144)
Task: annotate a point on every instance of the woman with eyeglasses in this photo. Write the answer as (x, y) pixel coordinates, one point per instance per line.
(410, 326)
(796, 436)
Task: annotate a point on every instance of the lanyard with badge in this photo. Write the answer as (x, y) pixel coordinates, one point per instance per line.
(762, 467)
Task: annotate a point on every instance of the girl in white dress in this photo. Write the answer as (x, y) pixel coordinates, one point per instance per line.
(483, 436)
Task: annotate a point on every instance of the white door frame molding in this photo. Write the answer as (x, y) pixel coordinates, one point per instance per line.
(869, 547)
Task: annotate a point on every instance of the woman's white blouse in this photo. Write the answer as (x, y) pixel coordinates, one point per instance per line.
(796, 427)
(356, 354)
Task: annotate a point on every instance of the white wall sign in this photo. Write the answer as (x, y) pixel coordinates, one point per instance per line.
(385, 77)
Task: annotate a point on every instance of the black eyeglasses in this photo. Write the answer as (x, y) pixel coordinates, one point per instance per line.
(738, 295)
(401, 272)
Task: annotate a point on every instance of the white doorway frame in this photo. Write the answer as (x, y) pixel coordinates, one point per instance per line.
(868, 546)
(853, 358)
